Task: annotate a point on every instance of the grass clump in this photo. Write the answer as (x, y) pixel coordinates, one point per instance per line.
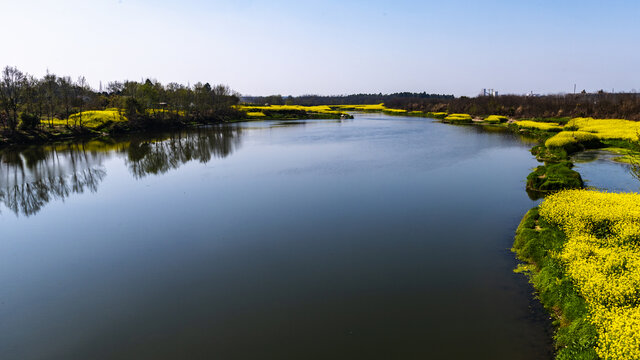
(543, 153)
(554, 177)
(536, 125)
(395, 111)
(573, 141)
(458, 118)
(495, 119)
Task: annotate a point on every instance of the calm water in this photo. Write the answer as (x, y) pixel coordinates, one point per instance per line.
(601, 172)
(374, 238)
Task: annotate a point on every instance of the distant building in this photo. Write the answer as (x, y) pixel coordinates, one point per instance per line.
(489, 92)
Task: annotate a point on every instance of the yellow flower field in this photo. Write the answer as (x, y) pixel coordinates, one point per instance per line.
(92, 118)
(570, 137)
(322, 109)
(496, 118)
(536, 125)
(458, 117)
(602, 256)
(608, 128)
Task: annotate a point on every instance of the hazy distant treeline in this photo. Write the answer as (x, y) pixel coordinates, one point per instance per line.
(310, 100)
(28, 101)
(597, 105)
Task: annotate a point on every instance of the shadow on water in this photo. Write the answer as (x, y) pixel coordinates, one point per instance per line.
(34, 176)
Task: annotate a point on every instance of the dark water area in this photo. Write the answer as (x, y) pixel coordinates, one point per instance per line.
(374, 238)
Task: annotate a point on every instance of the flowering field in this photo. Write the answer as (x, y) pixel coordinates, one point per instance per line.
(535, 125)
(602, 257)
(565, 138)
(458, 117)
(496, 118)
(607, 128)
(320, 109)
(92, 118)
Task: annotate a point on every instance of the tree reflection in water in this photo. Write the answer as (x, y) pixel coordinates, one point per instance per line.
(30, 178)
(146, 157)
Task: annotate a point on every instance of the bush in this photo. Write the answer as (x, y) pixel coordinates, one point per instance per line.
(28, 121)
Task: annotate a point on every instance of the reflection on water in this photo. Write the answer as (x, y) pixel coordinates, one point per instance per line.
(146, 157)
(32, 177)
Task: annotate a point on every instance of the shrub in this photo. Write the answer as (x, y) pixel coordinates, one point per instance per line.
(29, 121)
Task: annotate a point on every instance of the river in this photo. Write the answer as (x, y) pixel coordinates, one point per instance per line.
(373, 238)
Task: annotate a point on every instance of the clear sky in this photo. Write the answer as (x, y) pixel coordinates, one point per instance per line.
(332, 47)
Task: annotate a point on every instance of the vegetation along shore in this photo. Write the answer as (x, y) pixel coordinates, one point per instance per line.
(580, 246)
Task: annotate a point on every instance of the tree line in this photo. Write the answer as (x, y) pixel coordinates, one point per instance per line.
(598, 105)
(29, 102)
(353, 99)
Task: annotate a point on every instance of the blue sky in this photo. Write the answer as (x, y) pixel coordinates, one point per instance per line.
(332, 47)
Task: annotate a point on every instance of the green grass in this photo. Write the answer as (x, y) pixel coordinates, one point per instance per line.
(536, 243)
(543, 153)
(627, 156)
(554, 177)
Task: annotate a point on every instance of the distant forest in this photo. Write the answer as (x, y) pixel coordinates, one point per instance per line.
(598, 105)
(353, 99)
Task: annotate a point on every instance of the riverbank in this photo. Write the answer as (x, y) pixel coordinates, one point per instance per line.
(535, 244)
(110, 122)
(576, 255)
(581, 251)
(579, 248)
(59, 133)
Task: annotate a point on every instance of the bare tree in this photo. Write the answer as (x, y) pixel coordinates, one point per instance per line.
(10, 94)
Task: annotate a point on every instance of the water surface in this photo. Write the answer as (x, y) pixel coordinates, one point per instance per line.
(374, 238)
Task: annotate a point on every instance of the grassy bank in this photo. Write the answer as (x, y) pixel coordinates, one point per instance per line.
(86, 124)
(581, 248)
(583, 256)
(535, 243)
